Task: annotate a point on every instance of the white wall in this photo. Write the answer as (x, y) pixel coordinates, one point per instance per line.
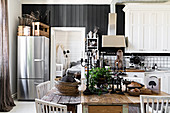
(66, 1)
(71, 40)
(14, 10)
(75, 45)
(61, 38)
(54, 34)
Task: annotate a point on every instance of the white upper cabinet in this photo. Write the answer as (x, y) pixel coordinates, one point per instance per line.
(147, 28)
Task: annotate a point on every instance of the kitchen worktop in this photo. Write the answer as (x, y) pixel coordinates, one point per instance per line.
(160, 70)
(134, 70)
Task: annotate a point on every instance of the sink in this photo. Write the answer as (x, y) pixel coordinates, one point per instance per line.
(158, 70)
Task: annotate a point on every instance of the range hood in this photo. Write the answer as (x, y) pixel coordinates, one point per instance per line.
(112, 24)
(112, 40)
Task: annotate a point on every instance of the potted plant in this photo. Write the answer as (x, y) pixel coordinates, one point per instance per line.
(99, 79)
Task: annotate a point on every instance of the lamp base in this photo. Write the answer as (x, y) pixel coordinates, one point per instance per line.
(121, 93)
(113, 92)
(87, 92)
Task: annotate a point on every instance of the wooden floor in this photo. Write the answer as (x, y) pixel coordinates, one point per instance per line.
(134, 109)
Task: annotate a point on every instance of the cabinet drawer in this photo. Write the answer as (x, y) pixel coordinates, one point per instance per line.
(105, 109)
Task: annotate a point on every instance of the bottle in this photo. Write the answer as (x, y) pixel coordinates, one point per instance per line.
(118, 63)
(101, 61)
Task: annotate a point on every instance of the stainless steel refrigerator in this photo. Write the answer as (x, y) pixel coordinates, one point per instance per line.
(33, 65)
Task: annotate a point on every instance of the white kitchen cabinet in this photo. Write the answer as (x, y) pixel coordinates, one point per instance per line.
(147, 28)
(138, 75)
(135, 74)
(158, 75)
(167, 82)
(164, 77)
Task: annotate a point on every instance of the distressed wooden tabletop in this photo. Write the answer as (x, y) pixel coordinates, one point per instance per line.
(112, 99)
(104, 99)
(136, 100)
(52, 96)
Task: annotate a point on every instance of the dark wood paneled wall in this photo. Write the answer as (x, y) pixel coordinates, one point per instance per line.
(120, 20)
(73, 15)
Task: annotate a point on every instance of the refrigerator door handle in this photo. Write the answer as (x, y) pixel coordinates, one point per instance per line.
(39, 60)
(36, 83)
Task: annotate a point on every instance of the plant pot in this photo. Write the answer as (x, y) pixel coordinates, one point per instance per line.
(101, 81)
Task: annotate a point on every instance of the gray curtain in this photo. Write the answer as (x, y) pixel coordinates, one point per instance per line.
(6, 101)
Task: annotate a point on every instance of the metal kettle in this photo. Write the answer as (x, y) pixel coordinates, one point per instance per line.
(135, 60)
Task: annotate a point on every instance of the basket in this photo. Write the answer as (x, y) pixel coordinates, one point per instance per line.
(40, 29)
(67, 88)
(24, 31)
(134, 93)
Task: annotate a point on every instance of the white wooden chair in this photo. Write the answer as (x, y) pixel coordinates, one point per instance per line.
(135, 79)
(59, 70)
(42, 89)
(159, 104)
(49, 107)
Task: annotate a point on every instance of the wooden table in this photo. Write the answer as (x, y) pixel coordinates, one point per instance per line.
(105, 103)
(109, 103)
(70, 101)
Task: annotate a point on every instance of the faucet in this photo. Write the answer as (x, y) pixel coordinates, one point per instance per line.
(155, 66)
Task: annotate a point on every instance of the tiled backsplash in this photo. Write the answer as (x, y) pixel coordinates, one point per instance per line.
(161, 61)
(109, 60)
(149, 61)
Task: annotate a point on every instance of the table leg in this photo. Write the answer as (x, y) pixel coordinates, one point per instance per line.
(72, 108)
(134, 108)
(85, 108)
(125, 108)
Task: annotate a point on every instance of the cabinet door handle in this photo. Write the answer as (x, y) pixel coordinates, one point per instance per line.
(141, 49)
(135, 76)
(165, 49)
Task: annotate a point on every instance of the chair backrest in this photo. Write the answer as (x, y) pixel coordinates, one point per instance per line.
(42, 89)
(49, 107)
(135, 79)
(58, 72)
(158, 104)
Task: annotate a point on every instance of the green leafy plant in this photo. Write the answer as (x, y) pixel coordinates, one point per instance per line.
(99, 79)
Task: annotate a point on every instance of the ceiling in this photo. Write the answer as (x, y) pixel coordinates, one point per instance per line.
(66, 1)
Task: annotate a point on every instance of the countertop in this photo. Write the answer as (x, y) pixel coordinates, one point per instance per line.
(160, 70)
(134, 70)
